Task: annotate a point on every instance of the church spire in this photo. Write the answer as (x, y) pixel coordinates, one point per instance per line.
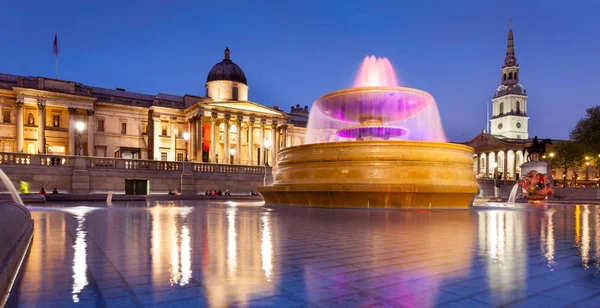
(510, 59)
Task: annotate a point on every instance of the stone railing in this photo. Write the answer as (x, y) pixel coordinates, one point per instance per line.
(36, 159)
(92, 163)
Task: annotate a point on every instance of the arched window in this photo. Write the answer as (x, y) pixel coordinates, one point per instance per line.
(206, 91)
(234, 93)
(504, 77)
(516, 75)
(501, 107)
(518, 107)
(510, 75)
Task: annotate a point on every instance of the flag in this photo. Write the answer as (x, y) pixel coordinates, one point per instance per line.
(56, 44)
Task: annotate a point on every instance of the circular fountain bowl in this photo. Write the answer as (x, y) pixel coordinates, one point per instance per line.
(373, 103)
(380, 132)
(386, 174)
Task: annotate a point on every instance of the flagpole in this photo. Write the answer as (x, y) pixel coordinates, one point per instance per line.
(57, 66)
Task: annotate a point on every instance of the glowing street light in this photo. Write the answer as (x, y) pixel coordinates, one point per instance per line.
(231, 155)
(186, 137)
(552, 154)
(80, 126)
(267, 145)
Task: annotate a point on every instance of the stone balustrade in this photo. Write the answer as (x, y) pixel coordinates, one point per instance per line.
(83, 174)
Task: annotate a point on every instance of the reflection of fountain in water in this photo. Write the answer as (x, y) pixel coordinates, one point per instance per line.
(11, 188)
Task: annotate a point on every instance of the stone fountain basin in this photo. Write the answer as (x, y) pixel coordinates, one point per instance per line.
(381, 103)
(387, 174)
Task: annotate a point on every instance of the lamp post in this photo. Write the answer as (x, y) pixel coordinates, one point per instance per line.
(495, 166)
(267, 145)
(80, 126)
(231, 155)
(186, 137)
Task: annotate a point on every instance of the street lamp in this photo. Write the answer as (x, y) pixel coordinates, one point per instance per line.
(552, 154)
(494, 166)
(231, 154)
(267, 145)
(186, 137)
(80, 126)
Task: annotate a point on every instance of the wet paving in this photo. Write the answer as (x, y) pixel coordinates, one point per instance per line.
(187, 253)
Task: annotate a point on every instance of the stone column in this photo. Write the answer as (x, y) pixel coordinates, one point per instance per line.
(514, 168)
(213, 137)
(505, 172)
(273, 144)
(72, 115)
(200, 137)
(251, 141)
(191, 143)
(226, 159)
(20, 129)
(91, 130)
(173, 154)
(238, 150)
(156, 135)
(487, 163)
(41, 102)
(261, 145)
(284, 132)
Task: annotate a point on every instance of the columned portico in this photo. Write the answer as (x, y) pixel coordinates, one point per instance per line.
(199, 136)
(274, 143)
(226, 127)
(20, 126)
(251, 141)
(213, 137)
(90, 132)
(238, 152)
(156, 135)
(41, 102)
(261, 145)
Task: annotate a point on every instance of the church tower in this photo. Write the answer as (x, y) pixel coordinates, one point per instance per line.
(509, 105)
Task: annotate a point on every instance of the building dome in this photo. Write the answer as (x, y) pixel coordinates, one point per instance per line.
(226, 70)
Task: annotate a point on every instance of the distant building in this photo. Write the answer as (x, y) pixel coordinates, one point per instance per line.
(504, 146)
(40, 115)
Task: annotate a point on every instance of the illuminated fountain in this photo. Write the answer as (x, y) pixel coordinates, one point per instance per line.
(374, 145)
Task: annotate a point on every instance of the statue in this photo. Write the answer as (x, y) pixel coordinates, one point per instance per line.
(537, 149)
(536, 186)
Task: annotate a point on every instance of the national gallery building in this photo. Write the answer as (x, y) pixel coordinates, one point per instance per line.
(49, 116)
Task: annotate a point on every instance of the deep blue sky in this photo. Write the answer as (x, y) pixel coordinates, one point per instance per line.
(294, 51)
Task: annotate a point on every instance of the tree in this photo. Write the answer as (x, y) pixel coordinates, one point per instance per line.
(568, 154)
(587, 130)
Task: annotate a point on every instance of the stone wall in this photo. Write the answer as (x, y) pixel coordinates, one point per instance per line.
(487, 190)
(16, 232)
(83, 175)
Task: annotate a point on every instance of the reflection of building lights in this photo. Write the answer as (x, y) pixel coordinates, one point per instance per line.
(585, 236)
(186, 255)
(231, 240)
(547, 238)
(266, 247)
(79, 251)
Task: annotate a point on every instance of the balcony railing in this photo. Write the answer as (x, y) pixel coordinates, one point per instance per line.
(54, 161)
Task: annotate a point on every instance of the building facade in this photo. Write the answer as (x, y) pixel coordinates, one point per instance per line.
(49, 116)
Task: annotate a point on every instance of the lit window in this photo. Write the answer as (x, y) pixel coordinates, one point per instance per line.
(164, 130)
(6, 116)
(144, 128)
(123, 128)
(163, 155)
(56, 120)
(179, 156)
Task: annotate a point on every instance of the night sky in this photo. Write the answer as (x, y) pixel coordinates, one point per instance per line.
(294, 51)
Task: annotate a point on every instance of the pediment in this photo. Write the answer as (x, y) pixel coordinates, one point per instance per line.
(247, 106)
(485, 142)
